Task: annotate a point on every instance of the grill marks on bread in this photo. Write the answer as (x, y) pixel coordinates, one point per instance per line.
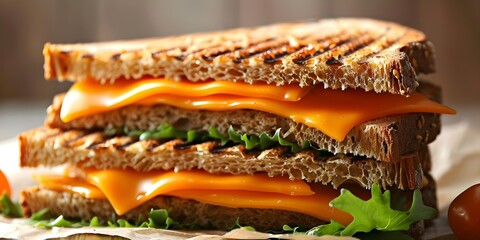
(302, 48)
(340, 53)
(98, 150)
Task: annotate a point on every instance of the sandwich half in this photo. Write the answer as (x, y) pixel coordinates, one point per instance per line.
(296, 124)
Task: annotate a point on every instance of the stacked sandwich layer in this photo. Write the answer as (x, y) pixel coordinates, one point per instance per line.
(260, 126)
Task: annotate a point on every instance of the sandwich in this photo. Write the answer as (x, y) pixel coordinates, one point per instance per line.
(314, 125)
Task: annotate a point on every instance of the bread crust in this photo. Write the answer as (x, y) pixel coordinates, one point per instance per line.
(385, 139)
(52, 147)
(338, 53)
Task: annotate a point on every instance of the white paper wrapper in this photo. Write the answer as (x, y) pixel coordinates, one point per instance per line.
(456, 166)
(18, 229)
(456, 160)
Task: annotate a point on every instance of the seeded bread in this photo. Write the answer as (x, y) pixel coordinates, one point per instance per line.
(338, 53)
(52, 147)
(182, 210)
(385, 139)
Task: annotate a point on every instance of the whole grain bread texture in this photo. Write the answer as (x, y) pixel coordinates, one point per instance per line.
(338, 53)
(185, 211)
(385, 139)
(52, 147)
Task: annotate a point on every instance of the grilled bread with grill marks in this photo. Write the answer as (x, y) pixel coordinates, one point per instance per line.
(340, 53)
(52, 147)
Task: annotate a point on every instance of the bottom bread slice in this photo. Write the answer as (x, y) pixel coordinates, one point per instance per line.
(185, 211)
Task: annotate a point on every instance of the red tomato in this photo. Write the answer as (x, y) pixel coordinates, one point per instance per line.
(464, 214)
(4, 185)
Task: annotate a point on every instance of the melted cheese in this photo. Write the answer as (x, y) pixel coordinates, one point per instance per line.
(143, 186)
(127, 189)
(315, 205)
(70, 184)
(333, 112)
(96, 97)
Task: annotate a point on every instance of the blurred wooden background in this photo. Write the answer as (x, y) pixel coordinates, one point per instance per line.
(453, 26)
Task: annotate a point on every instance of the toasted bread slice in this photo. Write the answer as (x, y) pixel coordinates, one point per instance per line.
(51, 147)
(185, 211)
(340, 53)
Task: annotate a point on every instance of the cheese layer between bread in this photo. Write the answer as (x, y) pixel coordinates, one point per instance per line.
(333, 112)
(127, 189)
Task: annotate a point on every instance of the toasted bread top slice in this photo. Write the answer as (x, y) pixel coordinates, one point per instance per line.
(338, 53)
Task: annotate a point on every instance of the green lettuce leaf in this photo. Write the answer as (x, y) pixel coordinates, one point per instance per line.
(287, 228)
(8, 208)
(94, 222)
(380, 215)
(375, 214)
(44, 219)
(238, 225)
(262, 141)
(332, 228)
(157, 218)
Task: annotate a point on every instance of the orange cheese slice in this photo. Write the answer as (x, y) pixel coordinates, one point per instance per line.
(90, 97)
(126, 189)
(316, 205)
(143, 186)
(333, 112)
(70, 184)
(138, 187)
